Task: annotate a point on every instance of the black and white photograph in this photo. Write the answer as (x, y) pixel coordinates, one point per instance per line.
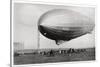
(45, 33)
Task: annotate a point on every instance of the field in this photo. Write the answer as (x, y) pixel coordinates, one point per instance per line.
(89, 54)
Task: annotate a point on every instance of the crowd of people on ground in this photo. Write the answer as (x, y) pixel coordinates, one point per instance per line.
(52, 52)
(55, 52)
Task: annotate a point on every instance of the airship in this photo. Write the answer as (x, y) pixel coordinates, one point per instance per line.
(63, 25)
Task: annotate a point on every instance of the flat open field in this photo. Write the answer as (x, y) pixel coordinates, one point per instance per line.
(89, 54)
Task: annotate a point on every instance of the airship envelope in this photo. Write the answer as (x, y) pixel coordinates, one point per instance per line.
(63, 25)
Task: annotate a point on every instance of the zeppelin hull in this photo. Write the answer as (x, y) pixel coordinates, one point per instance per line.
(58, 34)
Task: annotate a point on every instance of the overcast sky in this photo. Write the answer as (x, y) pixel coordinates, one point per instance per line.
(25, 26)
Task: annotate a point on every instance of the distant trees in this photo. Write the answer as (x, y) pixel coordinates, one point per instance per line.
(18, 48)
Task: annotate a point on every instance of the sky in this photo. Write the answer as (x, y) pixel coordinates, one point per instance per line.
(26, 17)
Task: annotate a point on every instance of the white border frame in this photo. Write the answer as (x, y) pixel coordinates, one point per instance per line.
(51, 3)
(47, 3)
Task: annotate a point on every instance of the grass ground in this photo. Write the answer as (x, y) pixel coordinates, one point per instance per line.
(89, 54)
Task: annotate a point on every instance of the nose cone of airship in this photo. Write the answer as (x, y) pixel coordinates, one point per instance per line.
(64, 25)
